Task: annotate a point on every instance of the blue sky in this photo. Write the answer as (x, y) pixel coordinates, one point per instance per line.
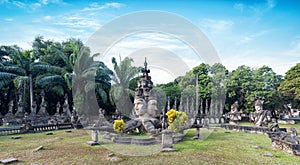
(252, 33)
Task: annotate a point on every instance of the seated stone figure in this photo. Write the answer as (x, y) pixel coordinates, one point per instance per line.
(260, 116)
(234, 115)
(145, 121)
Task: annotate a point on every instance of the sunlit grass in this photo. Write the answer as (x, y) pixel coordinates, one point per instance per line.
(218, 147)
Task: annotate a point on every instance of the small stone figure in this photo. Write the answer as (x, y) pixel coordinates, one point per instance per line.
(260, 116)
(75, 120)
(43, 111)
(57, 113)
(234, 115)
(274, 127)
(9, 117)
(66, 114)
(20, 111)
(33, 107)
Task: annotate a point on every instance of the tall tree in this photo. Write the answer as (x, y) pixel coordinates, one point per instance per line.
(219, 75)
(73, 69)
(265, 83)
(290, 86)
(17, 70)
(120, 92)
(204, 84)
(239, 85)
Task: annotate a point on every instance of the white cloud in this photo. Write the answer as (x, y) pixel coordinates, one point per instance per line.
(158, 48)
(9, 19)
(77, 22)
(250, 37)
(294, 49)
(215, 26)
(19, 4)
(239, 6)
(47, 17)
(96, 6)
(40, 3)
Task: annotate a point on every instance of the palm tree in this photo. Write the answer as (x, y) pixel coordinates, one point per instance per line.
(91, 77)
(77, 71)
(120, 92)
(17, 70)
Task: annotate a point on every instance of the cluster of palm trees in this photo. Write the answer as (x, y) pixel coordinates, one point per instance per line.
(57, 68)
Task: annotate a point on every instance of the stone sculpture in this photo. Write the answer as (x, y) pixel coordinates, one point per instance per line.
(260, 116)
(145, 106)
(9, 117)
(43, 111)
(234, 115)
(20, 111)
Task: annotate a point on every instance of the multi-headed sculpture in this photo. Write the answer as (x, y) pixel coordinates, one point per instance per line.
(145, 106)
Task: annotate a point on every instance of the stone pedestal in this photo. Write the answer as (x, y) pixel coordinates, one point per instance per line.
(167, 140)
(94, 135)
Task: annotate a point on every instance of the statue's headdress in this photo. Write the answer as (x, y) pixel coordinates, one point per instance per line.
(145, 85)
(259, 101)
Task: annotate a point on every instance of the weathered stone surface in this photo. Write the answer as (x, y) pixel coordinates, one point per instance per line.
(268, 154)
(49, 133)
(92, 143)
(38, 149)
(113, 158)
(143, 141)
(167, 139)
(8, 160)
(122, 140)
(16, 137)
(168, 149)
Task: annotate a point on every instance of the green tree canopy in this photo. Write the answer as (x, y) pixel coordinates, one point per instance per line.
(290, 86)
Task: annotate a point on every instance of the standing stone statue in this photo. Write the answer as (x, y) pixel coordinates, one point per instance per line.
(9, 117)
(57, 114)
(43, 111)
(20, 112)
(33, 107)
(32, 115)
(66, 114)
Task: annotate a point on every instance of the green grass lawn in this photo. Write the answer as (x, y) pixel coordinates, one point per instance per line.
(218, 147)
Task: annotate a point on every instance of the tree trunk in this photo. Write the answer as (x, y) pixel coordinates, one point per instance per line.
(31, 92)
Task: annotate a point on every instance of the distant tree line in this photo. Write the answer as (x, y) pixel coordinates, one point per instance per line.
(241, 84)
(68, 68)
(52, 67)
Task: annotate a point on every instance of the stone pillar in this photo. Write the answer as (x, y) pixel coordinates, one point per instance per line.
(167, 141)
(180, 105)
(168, 106)
(94, 135)
(187, 105)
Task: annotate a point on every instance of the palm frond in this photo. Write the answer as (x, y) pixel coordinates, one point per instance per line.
(20, 80)
(63, 57)
(6, 75)
(4, 83)
(48, 79)
(102, 94)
